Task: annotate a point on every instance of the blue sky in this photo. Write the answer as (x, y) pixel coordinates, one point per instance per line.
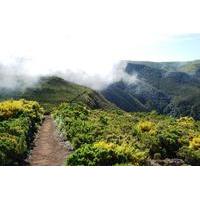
(180, 47)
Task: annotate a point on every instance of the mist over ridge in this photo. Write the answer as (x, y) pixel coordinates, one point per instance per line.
(19, 76)
(15, 76)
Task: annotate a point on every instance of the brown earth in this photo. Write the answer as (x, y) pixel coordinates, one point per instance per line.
(48, 149)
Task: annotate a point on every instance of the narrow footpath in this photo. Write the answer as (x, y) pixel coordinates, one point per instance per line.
(48, 150)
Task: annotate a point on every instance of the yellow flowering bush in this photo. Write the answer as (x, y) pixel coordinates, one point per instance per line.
(19, 121)
(195, 143)
(104, 145)
(186, 122)
(13, 108)
(146, 126)
(103, 154)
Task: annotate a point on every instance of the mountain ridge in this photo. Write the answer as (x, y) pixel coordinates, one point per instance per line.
(51, 91)
(174, 92)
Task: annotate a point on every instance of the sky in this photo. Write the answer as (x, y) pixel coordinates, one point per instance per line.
(93, 36)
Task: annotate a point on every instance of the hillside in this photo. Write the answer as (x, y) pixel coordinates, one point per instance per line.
(190, 67)
(51, 91)
(164, 87)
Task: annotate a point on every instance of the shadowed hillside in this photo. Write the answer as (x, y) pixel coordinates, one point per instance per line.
(165, 87)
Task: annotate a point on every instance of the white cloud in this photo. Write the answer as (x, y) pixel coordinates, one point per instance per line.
(91, 35)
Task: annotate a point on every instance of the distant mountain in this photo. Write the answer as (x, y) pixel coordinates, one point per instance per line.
(51, 91)
(168, 87)
(187, 66)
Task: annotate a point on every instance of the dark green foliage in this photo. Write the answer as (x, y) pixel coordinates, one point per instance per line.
(190, 156)
(169, 144)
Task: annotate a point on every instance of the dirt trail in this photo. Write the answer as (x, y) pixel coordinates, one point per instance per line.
(48, 150)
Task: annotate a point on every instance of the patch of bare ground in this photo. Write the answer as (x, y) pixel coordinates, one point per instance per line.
(48, 149)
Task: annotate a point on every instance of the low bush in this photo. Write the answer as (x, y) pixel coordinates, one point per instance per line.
(190, 156)
(106, 154)
(19, 120)
(146, 126)
(102, 137)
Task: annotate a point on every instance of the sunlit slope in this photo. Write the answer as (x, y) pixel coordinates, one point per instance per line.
(51, 91)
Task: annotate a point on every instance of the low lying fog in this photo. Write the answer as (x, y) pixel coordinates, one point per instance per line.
(17, 76)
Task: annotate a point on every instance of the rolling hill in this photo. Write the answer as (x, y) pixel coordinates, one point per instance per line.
(51, 91)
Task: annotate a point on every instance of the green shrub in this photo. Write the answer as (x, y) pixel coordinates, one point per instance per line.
(146, 126)
(136, 137)
(105, 154)
(190, 156)
(9, 149)
(169, 143)
(19, 120)
(195, 143)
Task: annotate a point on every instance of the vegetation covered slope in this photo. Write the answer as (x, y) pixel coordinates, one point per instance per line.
(51, 91)
(190, 67)
(19, 120)
(119, 138)
(164, 87)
